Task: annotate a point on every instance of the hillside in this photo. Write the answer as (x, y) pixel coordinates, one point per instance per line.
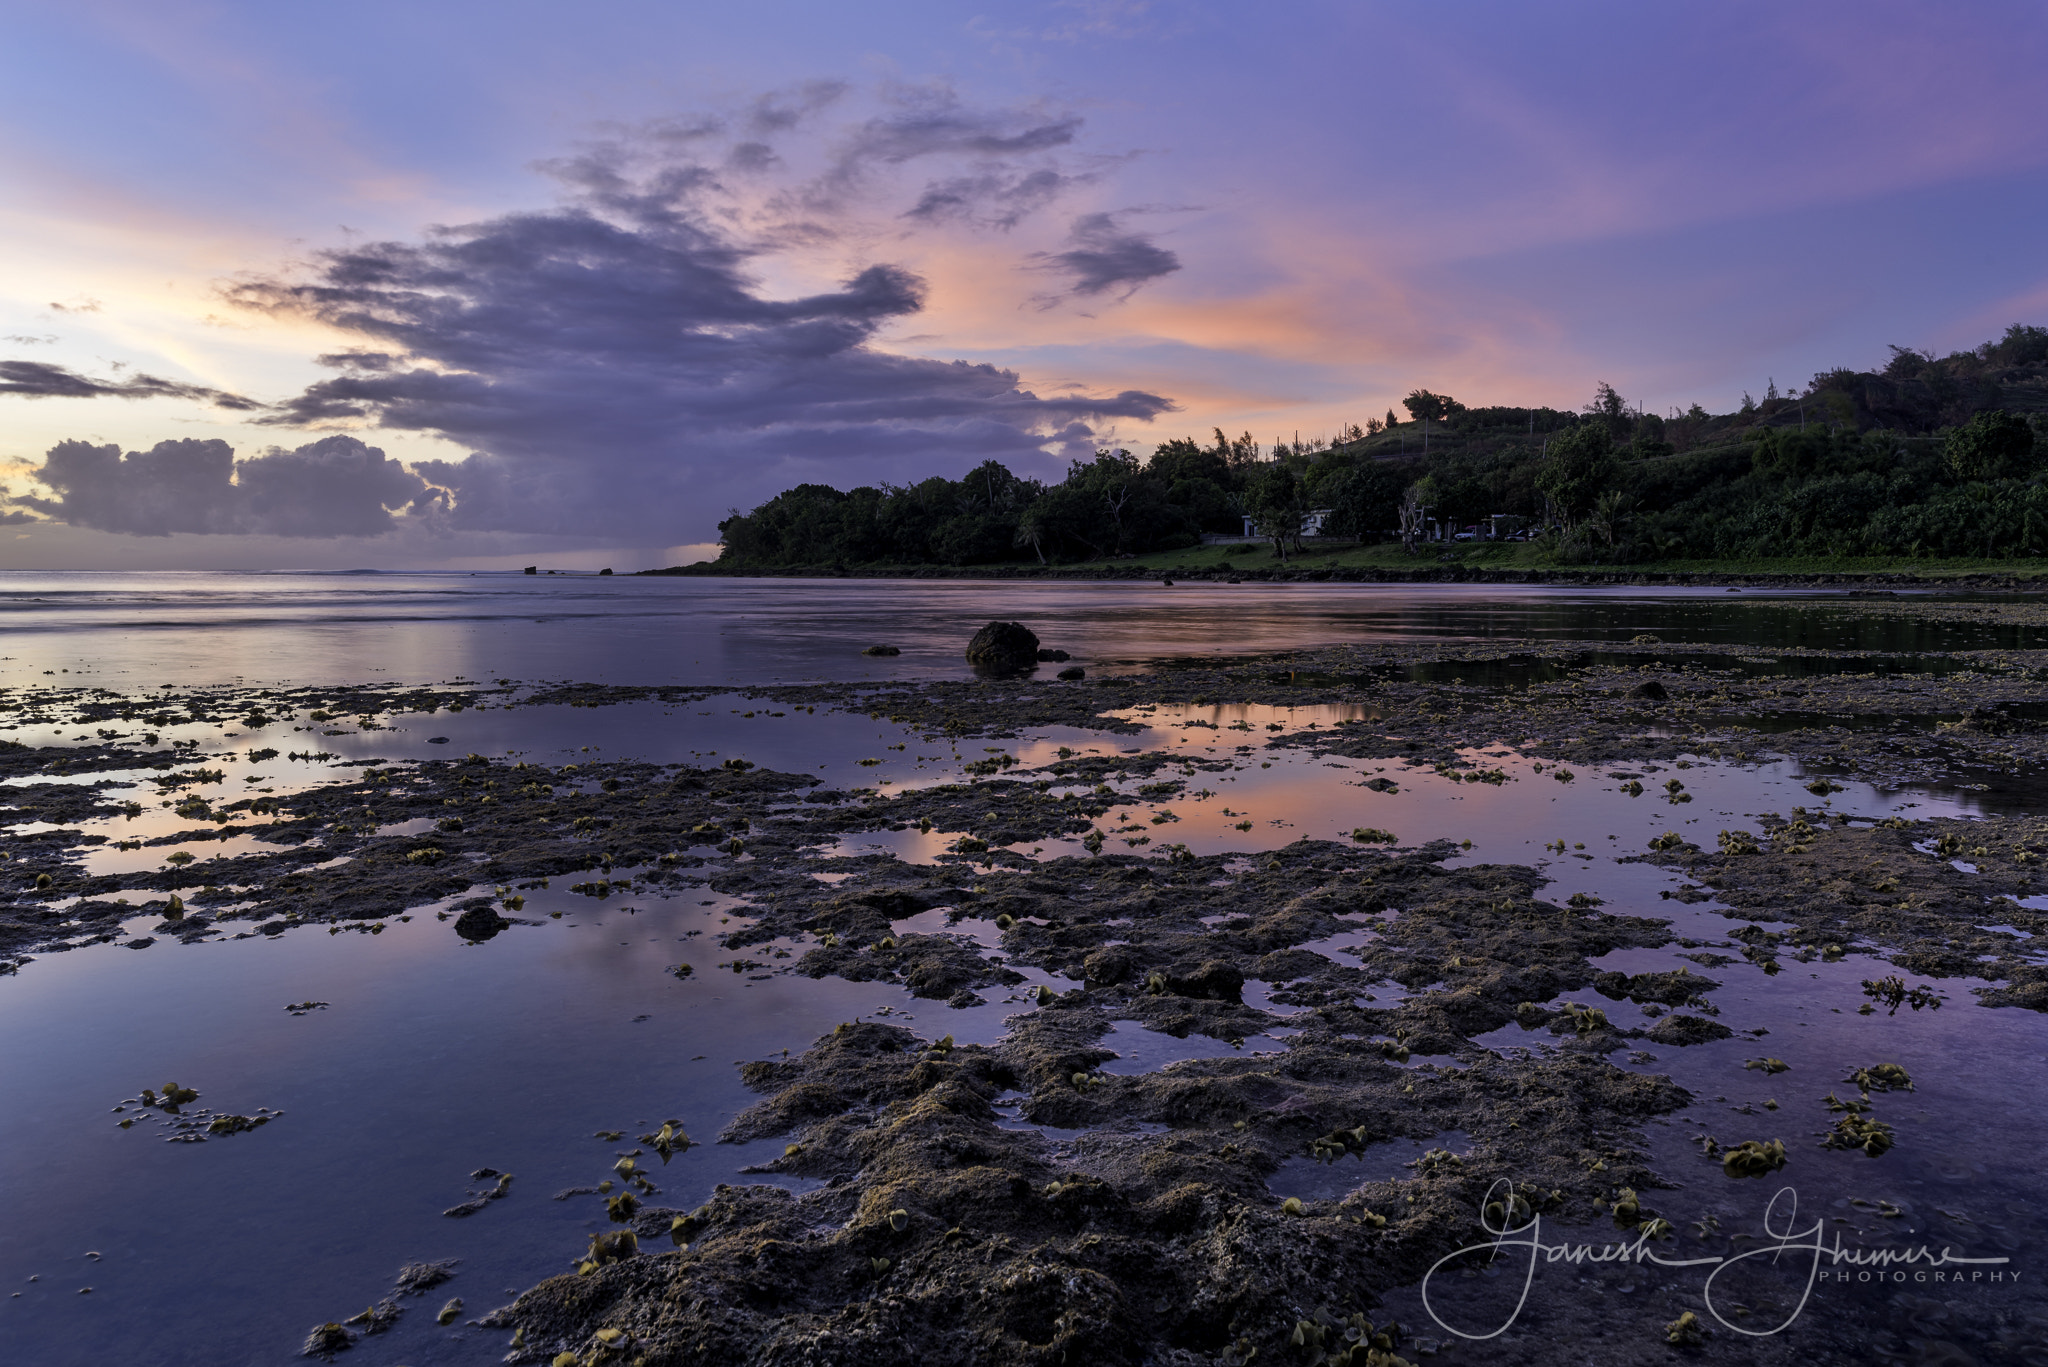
(1925, 458)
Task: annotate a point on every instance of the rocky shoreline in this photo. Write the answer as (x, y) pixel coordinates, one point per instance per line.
(1014, 1202)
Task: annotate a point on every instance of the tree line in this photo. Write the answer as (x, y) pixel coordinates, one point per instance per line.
(1925, 455)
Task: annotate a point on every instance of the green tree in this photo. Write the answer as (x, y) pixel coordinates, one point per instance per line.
(2021, 345)
(1577, 470)
(1364, 499)
(1182, 459)
(1426, 408)
(1993, 445)
(1276, 502)
(1034, 528)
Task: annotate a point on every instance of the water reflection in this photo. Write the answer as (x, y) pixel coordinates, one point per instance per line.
(131, 630)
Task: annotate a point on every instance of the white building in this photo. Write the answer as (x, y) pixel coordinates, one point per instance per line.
(1311, 523)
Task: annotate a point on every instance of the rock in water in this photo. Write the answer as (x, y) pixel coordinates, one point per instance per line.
(1053, 657)
(1650, 690)
(883, 650)
(1003, 646)
(325, 1341)
(479, 923)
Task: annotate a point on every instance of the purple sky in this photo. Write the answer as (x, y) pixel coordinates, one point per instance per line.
(587, 276)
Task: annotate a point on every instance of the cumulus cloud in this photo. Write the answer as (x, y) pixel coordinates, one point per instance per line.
(617, 367)
(1102, 257)
(336, 486)
(41, 380)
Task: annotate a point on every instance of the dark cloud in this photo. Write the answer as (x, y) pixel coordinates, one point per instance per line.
(942, 126)
(618, 372)
(40, 380)
(1103, 257)
(615, 365)
(783, 110)
(999, 199)
(752, 157)
(336, 486)
(1008, 152)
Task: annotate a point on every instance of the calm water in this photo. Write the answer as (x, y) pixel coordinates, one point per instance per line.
(434, 1058)
(126, 630)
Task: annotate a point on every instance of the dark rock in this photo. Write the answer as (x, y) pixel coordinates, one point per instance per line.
(416, 1278)
(531, 569)
(882, 650)
(1109, 967)
(1073, 672)
(1004, 647)
(479, 924)
(325, 1341)
(1212, 978)
(1054, 656)
(1649, 689)
(1167, 582)
(1668, 989)
(437, 740)
(144, 943)
(603, 572)
(1683, 1030)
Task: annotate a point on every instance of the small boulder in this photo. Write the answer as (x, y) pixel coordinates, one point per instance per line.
(1212, 979)
(1004, 647)
(882, 650)
(1681, 1030)
(1053, 657)
(479, 924)
(1649, 689)
(1073, 672)
(325, 1341)
(1107, 967)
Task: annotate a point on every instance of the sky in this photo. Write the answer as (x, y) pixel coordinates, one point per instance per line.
(475, 285)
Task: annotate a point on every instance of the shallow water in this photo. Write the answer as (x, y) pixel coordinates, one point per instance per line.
(433, 1058)
(126, 630)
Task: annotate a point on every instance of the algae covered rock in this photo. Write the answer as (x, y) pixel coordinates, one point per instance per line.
(1681, 1029)
(1003, 646)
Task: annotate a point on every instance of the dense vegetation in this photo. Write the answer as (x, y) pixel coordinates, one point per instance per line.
(1928, 456)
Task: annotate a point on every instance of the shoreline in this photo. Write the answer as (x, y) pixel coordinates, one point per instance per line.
(1965, 582)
